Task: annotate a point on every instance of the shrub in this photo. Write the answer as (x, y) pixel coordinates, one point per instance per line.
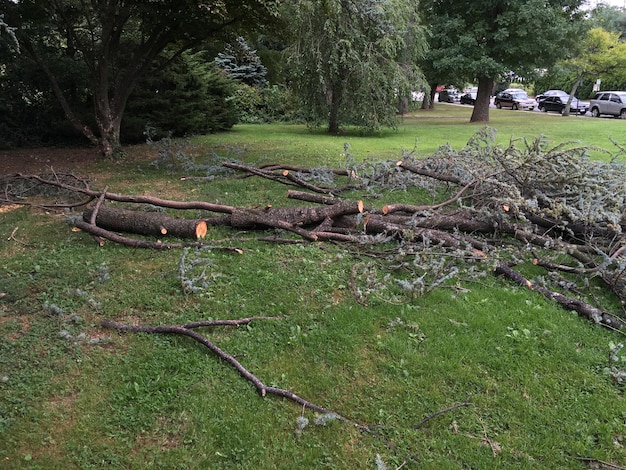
(263, 105)
(189, 97)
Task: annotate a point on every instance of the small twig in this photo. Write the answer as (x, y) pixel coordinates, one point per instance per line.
(94, 215)
(409, 208)
(495, 447)
(300, 182)
(355, 291)
(438, 413)
(564, 268)
(96, 208)
(237, 322)
(601, 462)
(484, 440)
(12, 237)
(408, 459)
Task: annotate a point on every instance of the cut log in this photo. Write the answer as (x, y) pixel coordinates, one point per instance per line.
(295, 216)
(146, 223)
(316, 198)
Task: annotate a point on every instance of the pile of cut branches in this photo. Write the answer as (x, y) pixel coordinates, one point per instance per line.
(494, 208)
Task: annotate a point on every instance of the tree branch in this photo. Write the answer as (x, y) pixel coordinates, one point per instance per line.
(439, 413)
(186, 330)
(590, 312)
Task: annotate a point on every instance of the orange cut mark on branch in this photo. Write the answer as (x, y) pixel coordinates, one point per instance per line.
(201, 230)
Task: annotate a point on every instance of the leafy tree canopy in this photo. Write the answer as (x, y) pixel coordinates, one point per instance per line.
(190, 96)
(351, 59)
(601, 55)
(242, 63)
(481, 40)
(10, 32)
(119, 41)
(609, 17)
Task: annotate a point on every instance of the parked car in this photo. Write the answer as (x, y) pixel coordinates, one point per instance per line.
(558, 103)
(547, 93)
(515, 99)
(469, 98)
(449, 95)
(609, 102)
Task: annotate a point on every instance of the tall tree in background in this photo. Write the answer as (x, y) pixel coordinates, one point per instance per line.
(485, 40)
(601, 56)
(119, 41)
(241, 63)
(351, 60)
(608, 17)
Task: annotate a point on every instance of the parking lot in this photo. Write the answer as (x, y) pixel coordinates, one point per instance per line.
(492, 105)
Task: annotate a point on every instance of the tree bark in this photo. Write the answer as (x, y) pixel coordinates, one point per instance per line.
(333, 114)
(429, 98)
(146, 223)
(158, 224)
(483, 100)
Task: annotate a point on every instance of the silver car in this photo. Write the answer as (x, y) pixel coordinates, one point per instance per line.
(609, 102)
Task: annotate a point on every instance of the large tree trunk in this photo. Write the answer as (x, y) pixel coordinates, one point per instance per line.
(81, 127)
(110, 132)
(483, 100)
(333, 114)
(403, 105)
(110, 97)
(108, 117)
(429, 98)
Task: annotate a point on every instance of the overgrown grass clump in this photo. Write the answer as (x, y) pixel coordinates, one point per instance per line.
(536, 378)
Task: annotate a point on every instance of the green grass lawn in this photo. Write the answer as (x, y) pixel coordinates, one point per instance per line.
(424, 131)
(74, 395)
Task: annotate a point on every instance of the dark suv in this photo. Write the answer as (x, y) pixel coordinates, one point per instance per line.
(609, 102)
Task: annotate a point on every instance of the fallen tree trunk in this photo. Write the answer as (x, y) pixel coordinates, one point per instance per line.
(296, 216)
(100, 234)
(146, 223)
(494, 201)
(158, 224)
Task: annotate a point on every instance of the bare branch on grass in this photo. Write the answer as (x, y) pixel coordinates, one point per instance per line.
(602, 463)
(584, 309)
(264, 390)
(439, 413)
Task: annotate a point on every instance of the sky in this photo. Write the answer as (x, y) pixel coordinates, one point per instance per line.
(614, 3)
